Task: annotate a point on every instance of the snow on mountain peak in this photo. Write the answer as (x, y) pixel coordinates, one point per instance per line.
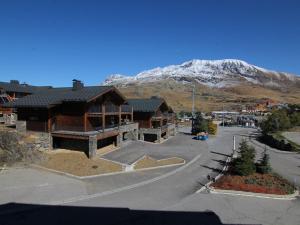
(218, 73)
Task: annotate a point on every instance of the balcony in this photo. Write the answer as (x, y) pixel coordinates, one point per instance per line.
(99, 110)
(77, 132)
(162, 116)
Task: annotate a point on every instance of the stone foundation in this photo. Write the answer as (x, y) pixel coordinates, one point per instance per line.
(131, 131)
(39, 140)
(92, 146)
(170, 131)
(21, 126)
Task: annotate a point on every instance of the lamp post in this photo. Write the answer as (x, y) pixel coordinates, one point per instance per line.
(193, 101)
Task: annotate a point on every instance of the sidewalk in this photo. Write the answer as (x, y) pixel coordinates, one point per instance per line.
(27, 185)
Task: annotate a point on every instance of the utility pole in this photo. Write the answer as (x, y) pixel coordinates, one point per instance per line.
(234, 153)
(223, 114)
(233, 143)
(193, 101)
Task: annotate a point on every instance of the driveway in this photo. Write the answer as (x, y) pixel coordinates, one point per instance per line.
(182, 145)
(23, 184)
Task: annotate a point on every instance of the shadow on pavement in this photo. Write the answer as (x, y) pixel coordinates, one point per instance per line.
(213, 169)
(221, 162)
(27, 214)
(219, 153)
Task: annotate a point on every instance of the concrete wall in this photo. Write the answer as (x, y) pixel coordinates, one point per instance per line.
(21, 126)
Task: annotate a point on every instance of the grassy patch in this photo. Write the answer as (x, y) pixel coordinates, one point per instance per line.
(258, 183)
(148, 162)
(78, 164)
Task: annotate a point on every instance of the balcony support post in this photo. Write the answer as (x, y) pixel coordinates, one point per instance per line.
(103, 118)
(120, 117)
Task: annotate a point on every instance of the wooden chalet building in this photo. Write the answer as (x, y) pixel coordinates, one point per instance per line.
(9, 91)
(155, 118)
(78, 117)
(16, 90)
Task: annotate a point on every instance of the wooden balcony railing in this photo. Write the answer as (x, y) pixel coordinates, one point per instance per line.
(98, 109)
(72, 128)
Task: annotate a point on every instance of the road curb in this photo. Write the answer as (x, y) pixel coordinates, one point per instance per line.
(104, 174)
(253, 194)
(129, 187)
(206, 186)
(157, 167)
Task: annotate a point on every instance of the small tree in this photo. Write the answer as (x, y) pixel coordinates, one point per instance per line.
(199, 124)
(181, 114)
(244, 165)
(277, 121)
(264, 165)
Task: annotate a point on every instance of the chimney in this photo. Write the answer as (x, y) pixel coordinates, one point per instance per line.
(14, 82)
(77, 85)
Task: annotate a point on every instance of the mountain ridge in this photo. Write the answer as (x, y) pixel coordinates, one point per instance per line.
(219, 84)
(214, 73)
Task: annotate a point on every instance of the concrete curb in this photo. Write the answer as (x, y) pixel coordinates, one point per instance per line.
(157, 167)
(103, 154)
(206, 186)
(104, 174)
(125, 188)
(253, 194)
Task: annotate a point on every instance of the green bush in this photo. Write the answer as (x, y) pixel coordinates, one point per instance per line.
(275, 141)
(277, 121)
(212, 127)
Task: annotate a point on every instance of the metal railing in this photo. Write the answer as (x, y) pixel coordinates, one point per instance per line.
(109, 108)
(81, 128)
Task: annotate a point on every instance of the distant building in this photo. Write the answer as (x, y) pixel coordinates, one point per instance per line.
(155, 118)
(10, 91)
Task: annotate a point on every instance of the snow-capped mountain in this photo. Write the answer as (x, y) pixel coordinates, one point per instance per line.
(214, 73)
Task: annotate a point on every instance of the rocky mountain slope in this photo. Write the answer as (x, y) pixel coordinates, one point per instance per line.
(229, 81)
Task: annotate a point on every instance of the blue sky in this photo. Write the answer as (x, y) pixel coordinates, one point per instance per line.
(51, 42)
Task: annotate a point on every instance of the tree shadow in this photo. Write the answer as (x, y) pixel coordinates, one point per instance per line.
(213, 169)
(221, 162)
(31, 214)
(219, 153)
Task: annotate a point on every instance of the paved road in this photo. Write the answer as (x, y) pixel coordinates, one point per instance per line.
(176, 192)
(181, 146)
(173, 189)
(284, 163)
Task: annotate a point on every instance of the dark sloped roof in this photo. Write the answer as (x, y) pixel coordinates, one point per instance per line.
(55, 96)
(22, 88)
(146, 104)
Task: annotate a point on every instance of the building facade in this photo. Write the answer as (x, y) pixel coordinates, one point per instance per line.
(78, 118)
(155, 118)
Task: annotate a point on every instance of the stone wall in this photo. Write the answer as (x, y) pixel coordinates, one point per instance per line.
(21, 126)
(39, 140)
(16, 146)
